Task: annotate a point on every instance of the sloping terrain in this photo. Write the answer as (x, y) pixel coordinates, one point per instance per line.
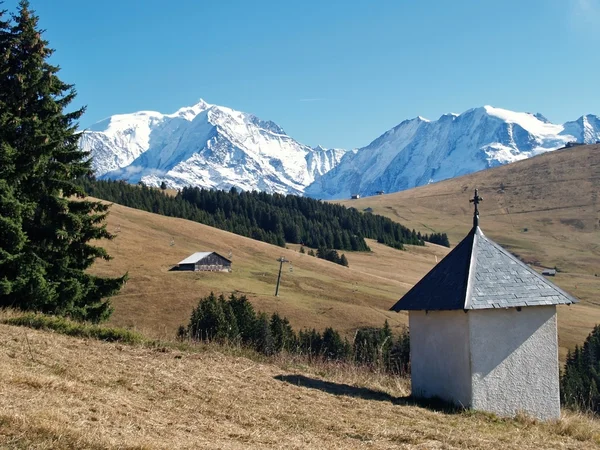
(70, 393)
(545, 209)
(553, 196)
(316, 293)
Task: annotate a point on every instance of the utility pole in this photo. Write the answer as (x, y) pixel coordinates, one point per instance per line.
(281, 261)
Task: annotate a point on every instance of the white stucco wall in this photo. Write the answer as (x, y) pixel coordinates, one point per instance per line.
(439, 351)
(514, 361)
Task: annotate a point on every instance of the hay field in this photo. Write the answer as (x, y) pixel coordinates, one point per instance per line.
(554, 197)
(316, 293)
(70, 393)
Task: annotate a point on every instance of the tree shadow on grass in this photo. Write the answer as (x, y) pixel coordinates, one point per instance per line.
(434, 404)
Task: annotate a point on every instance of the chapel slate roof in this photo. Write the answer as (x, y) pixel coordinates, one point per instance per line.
(479, 274)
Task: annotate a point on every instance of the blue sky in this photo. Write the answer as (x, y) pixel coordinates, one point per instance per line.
(336, 73)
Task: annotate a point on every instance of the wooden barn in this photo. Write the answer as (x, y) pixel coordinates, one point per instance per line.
(205, 262)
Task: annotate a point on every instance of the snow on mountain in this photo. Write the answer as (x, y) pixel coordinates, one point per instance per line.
(420, 151)
(204, 145)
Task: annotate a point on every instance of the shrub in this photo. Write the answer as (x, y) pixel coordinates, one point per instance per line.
(235, 320)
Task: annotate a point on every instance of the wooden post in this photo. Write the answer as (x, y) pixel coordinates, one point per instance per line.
(281, 261)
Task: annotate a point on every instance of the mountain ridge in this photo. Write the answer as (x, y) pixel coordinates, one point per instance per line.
(213, 146)
(419, 151)
(204, 145)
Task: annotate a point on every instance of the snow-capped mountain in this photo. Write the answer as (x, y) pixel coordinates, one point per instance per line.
(204, 145)
(420, 151)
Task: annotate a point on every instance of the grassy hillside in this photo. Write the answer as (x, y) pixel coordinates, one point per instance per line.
(316, 293)
(545, 209)
(553, 196)
(54, 396)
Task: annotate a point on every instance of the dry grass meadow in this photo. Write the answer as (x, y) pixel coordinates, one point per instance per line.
(67, 392)
(71, 393)
(316, 293)
(545, 209)
(554, 197)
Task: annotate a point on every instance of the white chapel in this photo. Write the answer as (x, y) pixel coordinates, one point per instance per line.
(483, 331)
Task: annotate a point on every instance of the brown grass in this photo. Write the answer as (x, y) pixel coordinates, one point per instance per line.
(555, 197)
(316, 293)
(65, 392)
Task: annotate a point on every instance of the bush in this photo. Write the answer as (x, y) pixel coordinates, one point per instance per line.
(235, 320)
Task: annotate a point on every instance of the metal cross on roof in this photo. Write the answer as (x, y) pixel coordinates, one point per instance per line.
(475, 200)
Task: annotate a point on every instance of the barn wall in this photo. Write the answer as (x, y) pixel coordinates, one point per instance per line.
(514, 359)
(214, 260)
(211, 262)
(439, 351)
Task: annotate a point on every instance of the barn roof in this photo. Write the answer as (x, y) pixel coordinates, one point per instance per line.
(195, 257)
(479, 274)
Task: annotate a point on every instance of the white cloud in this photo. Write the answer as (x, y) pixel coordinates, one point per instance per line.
(585, 15)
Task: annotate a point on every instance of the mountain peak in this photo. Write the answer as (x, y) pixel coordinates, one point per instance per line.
(190, 112)
(415, 153)
(205, 145)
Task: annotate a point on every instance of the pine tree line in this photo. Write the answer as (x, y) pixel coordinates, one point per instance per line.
(234, 320)
(580, 381)
(332, 255)
(274, 218)
(45, 232)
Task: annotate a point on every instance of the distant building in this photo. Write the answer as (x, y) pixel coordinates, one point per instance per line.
(483, 331)
(355, 196)
(573, 144)
(380, 192)
(205, 262)
(549, 272)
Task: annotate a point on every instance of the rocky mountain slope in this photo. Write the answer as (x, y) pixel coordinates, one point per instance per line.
(217, 147)
(204, 145)
(420, 151)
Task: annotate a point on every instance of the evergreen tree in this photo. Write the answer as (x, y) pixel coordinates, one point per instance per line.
(41, 162)
(344, 260)
(245, 317)
(163, 185)
(333, 347)
(208, 321)
(581, 376)
(232, 330)
(263, 339)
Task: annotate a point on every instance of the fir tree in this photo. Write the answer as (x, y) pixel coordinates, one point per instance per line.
(581, 376)
(245, 317)
(333, 347)
(42, 162)
(263, 339)
(344, 260)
